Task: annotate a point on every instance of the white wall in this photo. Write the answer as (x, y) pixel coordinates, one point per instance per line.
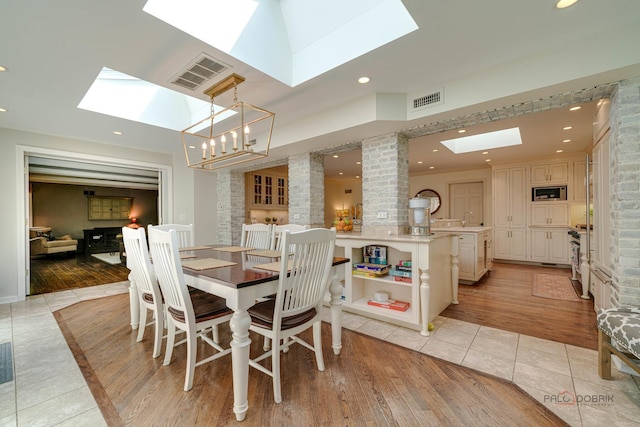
(13, 213)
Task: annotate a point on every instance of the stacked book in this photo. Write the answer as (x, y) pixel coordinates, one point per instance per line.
(390, 304)
(366, 269)
(401, 272)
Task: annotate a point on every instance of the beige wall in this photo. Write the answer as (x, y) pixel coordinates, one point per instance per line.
(336, 196)
(64, 207)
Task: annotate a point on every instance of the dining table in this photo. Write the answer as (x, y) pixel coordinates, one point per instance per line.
(242, 276)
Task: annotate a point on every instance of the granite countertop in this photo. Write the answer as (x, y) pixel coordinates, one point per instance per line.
(396, 237)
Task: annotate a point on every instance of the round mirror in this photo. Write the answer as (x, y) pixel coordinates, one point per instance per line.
(433, 196)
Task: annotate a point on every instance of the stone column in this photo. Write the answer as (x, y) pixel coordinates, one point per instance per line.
(306, 189)
(385, 184)
(231, 189)
(624, 187)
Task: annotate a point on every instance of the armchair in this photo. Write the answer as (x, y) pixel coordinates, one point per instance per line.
(42, 242)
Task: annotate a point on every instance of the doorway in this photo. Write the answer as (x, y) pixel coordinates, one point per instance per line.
(466, 201)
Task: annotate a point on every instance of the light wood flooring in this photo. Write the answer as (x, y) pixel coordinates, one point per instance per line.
(503, 299)
(371, 382)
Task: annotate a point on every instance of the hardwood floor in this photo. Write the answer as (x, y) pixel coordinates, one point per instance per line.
(371, 383)
(503, 300)
(61, 272)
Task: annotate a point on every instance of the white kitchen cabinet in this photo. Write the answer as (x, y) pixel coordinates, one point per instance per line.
(433, 283)
(510, 244)
(579, 190)
(552, 213)
(510, 213)
(550, 245)
(550, 173)
(475, 255)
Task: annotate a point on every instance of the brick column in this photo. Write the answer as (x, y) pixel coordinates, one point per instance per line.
(385, 184)
(306, 190)
(230, 206)
(624, 187)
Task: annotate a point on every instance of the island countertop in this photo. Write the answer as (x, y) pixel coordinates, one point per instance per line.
(398, 237)
(459, 229)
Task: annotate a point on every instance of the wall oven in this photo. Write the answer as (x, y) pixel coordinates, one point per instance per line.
(548, 194)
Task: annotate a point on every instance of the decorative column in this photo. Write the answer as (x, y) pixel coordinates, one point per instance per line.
(624, 188)
(231, 189)
(306, 189)
(385, 184)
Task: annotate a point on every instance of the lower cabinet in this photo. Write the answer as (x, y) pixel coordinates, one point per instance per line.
(428, 291)
(550, 245)
(510, 243)
(475, 255)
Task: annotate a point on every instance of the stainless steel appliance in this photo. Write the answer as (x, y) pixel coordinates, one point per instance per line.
(549, 194)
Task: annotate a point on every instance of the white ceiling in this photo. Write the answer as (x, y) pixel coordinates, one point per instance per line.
(485, 55)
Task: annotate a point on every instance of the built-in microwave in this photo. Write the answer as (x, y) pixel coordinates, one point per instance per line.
(548, 194)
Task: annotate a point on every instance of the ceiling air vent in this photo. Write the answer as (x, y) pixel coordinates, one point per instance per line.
(199, 71)
(428, 100)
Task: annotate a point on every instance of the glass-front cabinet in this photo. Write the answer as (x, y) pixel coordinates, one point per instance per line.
(269, 190)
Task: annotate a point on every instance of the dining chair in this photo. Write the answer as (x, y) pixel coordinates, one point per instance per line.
(149, 295)
(185, 233)
(196, 313)
(305, 265)
(257, 236)
(277, 230)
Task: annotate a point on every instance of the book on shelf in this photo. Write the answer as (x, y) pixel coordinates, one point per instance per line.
(402, 279)
(375, 254)
(374, 268)
(403, 268)
(390, 304)
(395, 272)
(405, 263)
(371, 274)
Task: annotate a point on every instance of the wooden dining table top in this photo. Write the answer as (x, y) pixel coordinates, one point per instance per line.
(243, 273)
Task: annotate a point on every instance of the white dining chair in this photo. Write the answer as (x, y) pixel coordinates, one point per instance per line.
(277, 230)
(305, 265)
(149, 295)
(185, 233)
(257, 236)
(197, 313)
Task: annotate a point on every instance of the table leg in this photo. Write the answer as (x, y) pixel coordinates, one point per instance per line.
(134, 304)
(335, 288)
(240, 344)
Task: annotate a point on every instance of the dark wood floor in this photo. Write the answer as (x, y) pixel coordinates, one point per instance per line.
(61, 272)
(503, 300)
(371, 383)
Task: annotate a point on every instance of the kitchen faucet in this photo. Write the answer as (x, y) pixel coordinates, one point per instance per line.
(465, 215)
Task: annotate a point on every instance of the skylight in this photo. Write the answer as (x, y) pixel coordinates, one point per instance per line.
(291, 40)
(485, 141)
(120, 95)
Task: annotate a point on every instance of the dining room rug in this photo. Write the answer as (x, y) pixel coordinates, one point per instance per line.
(553, 286)
(112, 258)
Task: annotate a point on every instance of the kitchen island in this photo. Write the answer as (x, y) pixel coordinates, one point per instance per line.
(427, 282)
(475, 248)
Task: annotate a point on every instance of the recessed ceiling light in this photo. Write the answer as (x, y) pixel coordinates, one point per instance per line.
(462, 131)
(340, 173)
(192, 146)
(357, 163)
(420, 162)
(559, 151)
(485, 152)
(335, 156)
(566, 140)
(117, 132)
(487, 160)
(435, 150)
(576, 108)
(3, 110)
(2, 68)
(364, 80)
(561, 4)
(484, 141)
(357, 176)
(567, 128)
(432, 167)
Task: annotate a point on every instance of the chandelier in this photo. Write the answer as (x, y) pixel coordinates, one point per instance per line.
(232, 135)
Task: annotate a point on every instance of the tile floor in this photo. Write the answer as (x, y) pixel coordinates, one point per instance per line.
(48, 388)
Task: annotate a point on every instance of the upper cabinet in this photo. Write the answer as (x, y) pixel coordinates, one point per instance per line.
(579, 189)
(510, 197)
(550, 173)
(269, 190)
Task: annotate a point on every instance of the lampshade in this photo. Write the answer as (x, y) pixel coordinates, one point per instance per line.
(235, 134)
